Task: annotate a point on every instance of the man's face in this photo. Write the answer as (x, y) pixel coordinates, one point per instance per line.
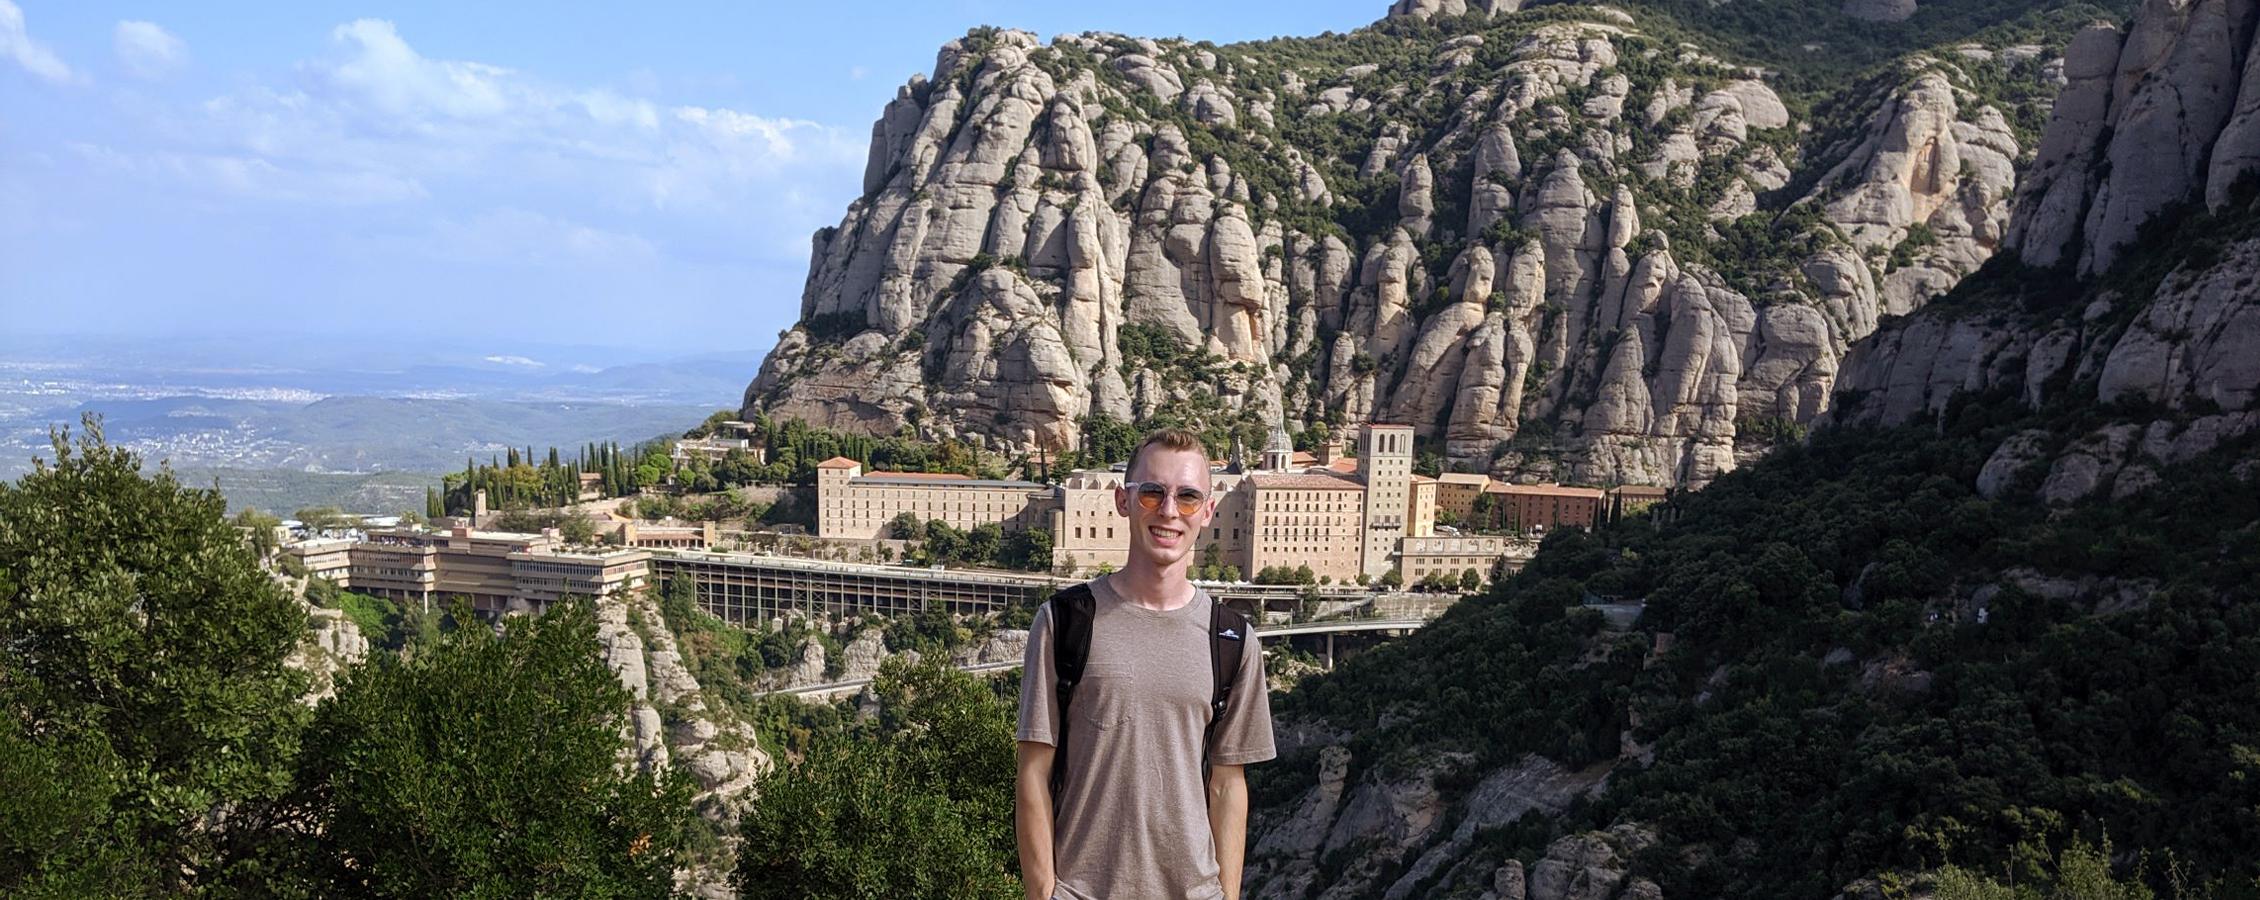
(1164, 535)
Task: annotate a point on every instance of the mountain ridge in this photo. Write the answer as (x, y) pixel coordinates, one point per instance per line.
(1999, 603)
(1556, 243)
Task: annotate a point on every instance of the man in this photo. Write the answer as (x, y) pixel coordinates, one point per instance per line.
(1134, 818)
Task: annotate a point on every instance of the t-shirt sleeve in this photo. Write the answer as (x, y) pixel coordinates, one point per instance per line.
(1039, 706)
(1245, 735)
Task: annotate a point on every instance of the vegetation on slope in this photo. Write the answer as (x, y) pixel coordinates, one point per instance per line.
(1855, 686)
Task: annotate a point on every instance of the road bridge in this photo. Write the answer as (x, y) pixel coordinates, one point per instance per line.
(1340, 626)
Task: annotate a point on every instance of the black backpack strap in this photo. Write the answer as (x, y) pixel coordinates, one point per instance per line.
(1071, 612)
(1228, 633)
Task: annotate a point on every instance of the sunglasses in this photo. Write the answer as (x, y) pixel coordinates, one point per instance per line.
(1150, 495)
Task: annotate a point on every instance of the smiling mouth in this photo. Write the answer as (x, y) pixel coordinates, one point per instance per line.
(1163, 534)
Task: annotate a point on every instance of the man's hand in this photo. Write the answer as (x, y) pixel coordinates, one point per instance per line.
(1032, 819)
(1228, 824)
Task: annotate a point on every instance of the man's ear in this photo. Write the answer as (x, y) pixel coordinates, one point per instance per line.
(1122, 503)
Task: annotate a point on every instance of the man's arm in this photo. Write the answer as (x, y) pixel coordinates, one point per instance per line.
(1227, 823)
(1032, 818)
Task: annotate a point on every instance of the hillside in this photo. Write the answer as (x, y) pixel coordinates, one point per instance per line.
(2002, 600)
(1611, 244)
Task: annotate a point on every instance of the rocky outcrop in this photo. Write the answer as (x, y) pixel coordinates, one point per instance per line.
(1535, 785)
(2174, 335)
(2187, 336)
(1428, 9)
(1520, 295)
(865, 651)
(670, 723)
(332, 644)
(1926, 164)
(1391, 834)
(2165, 115)
(1593, 866)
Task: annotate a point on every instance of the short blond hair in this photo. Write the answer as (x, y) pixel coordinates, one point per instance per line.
(1167, 439)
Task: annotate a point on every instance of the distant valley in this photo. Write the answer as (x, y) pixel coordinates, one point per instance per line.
(312, 425)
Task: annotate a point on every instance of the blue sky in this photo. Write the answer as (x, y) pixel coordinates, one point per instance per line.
(555, 172)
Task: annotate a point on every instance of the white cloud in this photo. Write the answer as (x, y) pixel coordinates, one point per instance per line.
(381, 161)
(720, 148)
(34, 57)
(514, 361)
(148, 50)
(857, 73)
(383, 70)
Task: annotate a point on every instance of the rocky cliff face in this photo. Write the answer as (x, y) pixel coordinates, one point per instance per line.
(866, 650)
(2126, 317)
(1544, 238)
(2136, 278)
(1398, 838)
(332, 645)
(670, 723)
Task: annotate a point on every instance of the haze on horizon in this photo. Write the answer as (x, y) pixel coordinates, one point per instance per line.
(516, 174)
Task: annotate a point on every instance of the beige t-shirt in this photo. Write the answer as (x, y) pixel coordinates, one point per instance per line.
(1133, 812)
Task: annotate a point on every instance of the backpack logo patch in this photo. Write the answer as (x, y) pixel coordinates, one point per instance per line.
(1229, 634)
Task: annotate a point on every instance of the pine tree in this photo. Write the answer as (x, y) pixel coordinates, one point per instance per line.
(433, 508)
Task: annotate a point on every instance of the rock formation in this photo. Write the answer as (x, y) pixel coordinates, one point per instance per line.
(332, 644)
(1395, 831)
(670, 722)
(1511, 251)
(2168, 113)
(2153, 118)
(866, 650)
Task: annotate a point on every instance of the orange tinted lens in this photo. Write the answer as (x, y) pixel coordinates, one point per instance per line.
(1149, 497)
(1189, 502)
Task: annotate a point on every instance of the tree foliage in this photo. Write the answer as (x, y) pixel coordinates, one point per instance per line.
(142, 678)
(915, 804)
(153, 740)
(489, 765)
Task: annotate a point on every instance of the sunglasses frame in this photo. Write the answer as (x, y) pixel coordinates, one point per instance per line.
(1177, 496)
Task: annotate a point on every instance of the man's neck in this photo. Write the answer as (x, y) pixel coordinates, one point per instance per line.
(1153, 587)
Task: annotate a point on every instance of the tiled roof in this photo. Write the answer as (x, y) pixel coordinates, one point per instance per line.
(1310, 481)
(838, 462)
(945, 480)
(1543, 490)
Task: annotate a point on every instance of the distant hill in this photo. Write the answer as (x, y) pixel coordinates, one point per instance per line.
(368, 434)
(281, 491)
